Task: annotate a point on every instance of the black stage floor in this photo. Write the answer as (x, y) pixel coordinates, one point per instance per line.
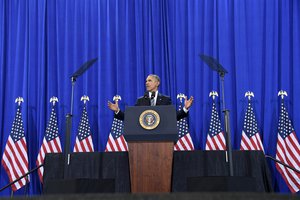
(172, 196)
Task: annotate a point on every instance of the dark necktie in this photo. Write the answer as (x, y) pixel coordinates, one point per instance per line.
(153, 99)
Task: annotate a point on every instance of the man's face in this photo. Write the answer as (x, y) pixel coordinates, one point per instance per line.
(151, 84)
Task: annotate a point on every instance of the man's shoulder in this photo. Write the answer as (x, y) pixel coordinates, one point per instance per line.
(163, 100)
(141, 97)
(164, 96)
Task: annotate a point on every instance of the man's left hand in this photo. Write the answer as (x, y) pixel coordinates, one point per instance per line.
(188, 102)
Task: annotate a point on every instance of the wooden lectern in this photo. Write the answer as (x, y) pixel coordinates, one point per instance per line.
(150, 150)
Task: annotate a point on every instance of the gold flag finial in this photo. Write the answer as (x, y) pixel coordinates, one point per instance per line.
(53, 100)
(249, 94)
(117, 97)
(282, 93)
(181, 96)
(19, 100)
(213, 94)
(84, 98)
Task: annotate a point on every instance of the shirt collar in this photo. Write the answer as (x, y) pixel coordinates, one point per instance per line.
(156, 94)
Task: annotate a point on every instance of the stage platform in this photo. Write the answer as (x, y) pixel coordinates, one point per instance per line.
(195, 171)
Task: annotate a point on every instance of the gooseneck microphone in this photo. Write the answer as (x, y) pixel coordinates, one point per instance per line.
(146, 95)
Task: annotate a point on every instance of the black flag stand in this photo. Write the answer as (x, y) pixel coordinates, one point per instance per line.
(216, 66)
(69, 116)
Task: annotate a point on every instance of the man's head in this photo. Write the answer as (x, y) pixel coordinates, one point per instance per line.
(152, 83)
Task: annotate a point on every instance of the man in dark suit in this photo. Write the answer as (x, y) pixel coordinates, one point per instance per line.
(153, 98)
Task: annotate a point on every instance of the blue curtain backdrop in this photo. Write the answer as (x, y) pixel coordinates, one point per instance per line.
(43, 42)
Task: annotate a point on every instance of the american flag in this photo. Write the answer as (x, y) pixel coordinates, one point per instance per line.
(84, 142)
(185, 142)
(15, 159)
(288, 151)
(51, 142)
(215, 137)
(116, 140)
(250, 134)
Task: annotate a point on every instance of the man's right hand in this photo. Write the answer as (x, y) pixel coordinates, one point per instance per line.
(113, 106)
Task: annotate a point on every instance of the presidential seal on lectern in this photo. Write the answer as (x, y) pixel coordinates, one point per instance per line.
(149, 119)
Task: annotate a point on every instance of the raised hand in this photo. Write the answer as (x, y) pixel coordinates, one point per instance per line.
(188, 102)
(113, 106)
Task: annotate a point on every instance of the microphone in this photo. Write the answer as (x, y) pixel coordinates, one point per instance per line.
(146, 95)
